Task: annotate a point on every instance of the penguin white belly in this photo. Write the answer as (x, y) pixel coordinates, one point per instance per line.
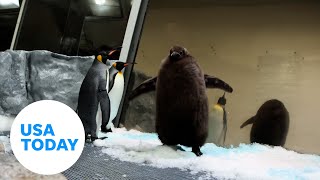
(115, 96)
(215, 126)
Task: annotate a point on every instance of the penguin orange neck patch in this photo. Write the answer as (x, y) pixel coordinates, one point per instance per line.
(218, 107)
(99, 58)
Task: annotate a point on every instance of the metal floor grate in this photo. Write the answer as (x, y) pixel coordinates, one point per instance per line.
(95, 165)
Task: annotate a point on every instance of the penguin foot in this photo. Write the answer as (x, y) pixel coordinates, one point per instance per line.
(174, 147)
(180, 148)
(88, 138)
(93, 138)
(196, 151)
(105, 130)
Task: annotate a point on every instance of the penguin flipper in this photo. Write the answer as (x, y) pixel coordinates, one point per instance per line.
(249, 121)
(214, 82)
(104, 100)
(112, 75)
(146, 86)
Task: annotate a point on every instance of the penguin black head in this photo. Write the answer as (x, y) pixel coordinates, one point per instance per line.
(113, 54)
(178, 52)
(102, 57)
(222, 100)
(120, 65)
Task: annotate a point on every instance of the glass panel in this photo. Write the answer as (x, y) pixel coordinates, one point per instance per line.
(73, 27)
(9, 11)
(42, 25)
(263, 49)
(101, 34)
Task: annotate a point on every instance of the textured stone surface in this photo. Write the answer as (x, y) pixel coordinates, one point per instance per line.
(5, 144)
(141, 110)
(29, 76)
(13, 92)
(56, 77)
(38, 75)
(12, 169)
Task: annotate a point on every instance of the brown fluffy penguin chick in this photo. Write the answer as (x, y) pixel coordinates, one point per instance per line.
(270, 125)
(181, 101)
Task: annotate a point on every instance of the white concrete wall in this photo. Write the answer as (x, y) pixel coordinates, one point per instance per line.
(263, 51)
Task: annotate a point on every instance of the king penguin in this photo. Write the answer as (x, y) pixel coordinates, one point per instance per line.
(116, 87)
(218, 123)
(181, 99)
(270, 125)
(92, 94)
(113, 56)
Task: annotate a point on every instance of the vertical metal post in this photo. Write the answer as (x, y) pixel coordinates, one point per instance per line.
(130, 46)
(17, 28)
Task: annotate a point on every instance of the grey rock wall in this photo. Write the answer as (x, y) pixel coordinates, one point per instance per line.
(29, 76)
(140, 112)
(13, 91)
(56, 77)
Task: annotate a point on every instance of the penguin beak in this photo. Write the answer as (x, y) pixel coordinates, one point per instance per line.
(111, 52)
(124, 64)
(128, 63)
(175, 55)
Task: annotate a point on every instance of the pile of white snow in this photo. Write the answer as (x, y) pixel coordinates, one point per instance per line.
(6, 122)
(5, 144)
(251, 161)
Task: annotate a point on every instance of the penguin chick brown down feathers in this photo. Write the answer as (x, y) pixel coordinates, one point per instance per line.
(92, 93)
(181, 101)
(150, 85)
(270, 125)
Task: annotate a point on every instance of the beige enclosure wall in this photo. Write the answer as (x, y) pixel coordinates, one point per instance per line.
(263, 50)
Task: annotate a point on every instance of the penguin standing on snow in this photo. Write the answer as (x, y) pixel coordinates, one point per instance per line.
(270, 125)
(116, 87)
(218, 123)
(92, 93)
(113, 56)
(181, 99)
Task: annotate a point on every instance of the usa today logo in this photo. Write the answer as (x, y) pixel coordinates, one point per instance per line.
(47, 137)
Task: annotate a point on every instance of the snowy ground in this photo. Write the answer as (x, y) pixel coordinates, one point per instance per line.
(244, 162)
(6, 122)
